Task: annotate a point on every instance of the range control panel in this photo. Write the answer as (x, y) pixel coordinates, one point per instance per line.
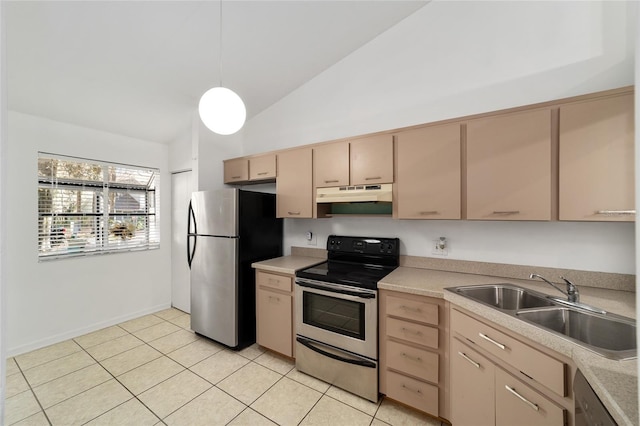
(363, 245)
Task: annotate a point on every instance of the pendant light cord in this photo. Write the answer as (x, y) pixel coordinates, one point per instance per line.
(220, 56)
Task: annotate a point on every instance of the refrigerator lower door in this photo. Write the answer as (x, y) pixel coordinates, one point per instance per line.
(214, 289)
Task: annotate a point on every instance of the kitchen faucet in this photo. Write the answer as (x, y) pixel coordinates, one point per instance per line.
(573, 295)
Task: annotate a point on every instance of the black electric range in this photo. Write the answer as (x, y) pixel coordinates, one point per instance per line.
(356, 261)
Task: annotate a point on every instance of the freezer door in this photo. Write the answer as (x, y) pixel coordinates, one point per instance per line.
(214, 289)
(215, 212)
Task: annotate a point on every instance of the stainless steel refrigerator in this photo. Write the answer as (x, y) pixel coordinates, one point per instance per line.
(228, 230)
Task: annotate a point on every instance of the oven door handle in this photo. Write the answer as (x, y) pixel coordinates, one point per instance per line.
(337, 290)
(309, 345)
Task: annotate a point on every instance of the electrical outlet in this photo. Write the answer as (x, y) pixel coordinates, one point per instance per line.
(312, 240)
(440, 247)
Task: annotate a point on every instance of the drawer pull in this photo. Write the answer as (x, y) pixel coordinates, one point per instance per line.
(277, 299)
(430, 212)
(273, 280)
(506, 212)
(411, 357)
(331, 181)
(411, 389)
(489, 339)
(522, 398)
(463, 355)
(262, 173)
(408, 330)
(410, 308)
(616, 212)
(373, 178)
(294, 213)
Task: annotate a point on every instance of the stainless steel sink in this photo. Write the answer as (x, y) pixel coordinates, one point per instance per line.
(505, 296)
(609, 335)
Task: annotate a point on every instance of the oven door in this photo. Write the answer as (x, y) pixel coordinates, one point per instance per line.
(341, 316)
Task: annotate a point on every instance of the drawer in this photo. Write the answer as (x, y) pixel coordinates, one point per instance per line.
(412, 392)
(541, 367)
(517, 403)
(415, 310)
(279, 282)
(412, 332)
(416, 362)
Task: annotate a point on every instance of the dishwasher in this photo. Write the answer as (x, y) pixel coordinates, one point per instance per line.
(590, 411)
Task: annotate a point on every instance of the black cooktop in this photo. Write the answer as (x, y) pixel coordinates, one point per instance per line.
(356, 261)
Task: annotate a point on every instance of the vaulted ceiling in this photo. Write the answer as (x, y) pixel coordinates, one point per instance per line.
(138, 68)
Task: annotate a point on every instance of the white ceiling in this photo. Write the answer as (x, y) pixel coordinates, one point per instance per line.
(138, 68)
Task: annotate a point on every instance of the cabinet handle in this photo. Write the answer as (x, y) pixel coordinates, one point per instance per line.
(262, 173)
(410, 308)
(407, 330)
(236, 177)
(294, 213)
(616, 212)
(522, 398)
(277, 299)
(418, 391)
(489, 339)
(506, 212)
(411, 357)
(331, 181)
(463, 355)
(373, 178)
(431, 212)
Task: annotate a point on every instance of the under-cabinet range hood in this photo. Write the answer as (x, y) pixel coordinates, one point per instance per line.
(355, 194)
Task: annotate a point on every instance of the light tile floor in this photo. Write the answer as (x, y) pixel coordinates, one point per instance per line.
(153, 370)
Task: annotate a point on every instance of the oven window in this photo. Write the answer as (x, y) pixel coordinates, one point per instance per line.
(341, 316)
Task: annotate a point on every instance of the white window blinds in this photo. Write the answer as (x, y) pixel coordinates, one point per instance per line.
(91, 207)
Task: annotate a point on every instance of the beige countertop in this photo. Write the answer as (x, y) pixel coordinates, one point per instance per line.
(287, 264)
(615, 382)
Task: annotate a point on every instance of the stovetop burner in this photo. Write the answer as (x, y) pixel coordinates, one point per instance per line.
(356, 261)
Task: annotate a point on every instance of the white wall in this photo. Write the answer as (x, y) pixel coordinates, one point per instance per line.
(451, 59)
(55, 300)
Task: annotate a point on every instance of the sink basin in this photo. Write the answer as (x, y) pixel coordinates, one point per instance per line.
(612, 334)
(607, 334)
(505, 296)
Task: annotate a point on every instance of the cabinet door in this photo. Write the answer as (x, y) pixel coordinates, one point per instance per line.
(294, 192)
(518, 404)
(236, 170)
(596, 160)
(509, 167)
(428, 174)
(472, 387)
(371, 160)
(262, 167)
(274, 321)
(331, 165)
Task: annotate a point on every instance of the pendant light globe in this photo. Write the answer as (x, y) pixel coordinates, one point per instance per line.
(222, 111)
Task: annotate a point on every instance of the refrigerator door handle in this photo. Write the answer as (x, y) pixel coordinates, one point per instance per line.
(191, 253)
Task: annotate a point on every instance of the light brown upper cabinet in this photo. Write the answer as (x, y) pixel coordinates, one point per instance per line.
(262, 167)
(371, 160)
(428, 173)
(596, 160)
(509, 166)
(294, 193)
(236, 170)
(331, 164)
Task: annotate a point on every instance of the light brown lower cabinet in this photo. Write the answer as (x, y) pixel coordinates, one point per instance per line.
(274, 312)
(498, 387)
(414, 351)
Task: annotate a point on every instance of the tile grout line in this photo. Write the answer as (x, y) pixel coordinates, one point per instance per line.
(34, 396)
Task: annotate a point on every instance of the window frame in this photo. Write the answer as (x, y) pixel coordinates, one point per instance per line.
(114, 230)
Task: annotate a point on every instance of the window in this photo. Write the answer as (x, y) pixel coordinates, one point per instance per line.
(91, 207)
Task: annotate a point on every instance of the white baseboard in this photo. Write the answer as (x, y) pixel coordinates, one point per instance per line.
(18, 350)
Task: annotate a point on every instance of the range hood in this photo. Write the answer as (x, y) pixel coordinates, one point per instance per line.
(355, 194)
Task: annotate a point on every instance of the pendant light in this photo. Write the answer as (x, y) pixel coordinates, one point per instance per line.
(220, 108)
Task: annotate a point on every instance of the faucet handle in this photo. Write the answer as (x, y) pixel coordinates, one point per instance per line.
(572, 290)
